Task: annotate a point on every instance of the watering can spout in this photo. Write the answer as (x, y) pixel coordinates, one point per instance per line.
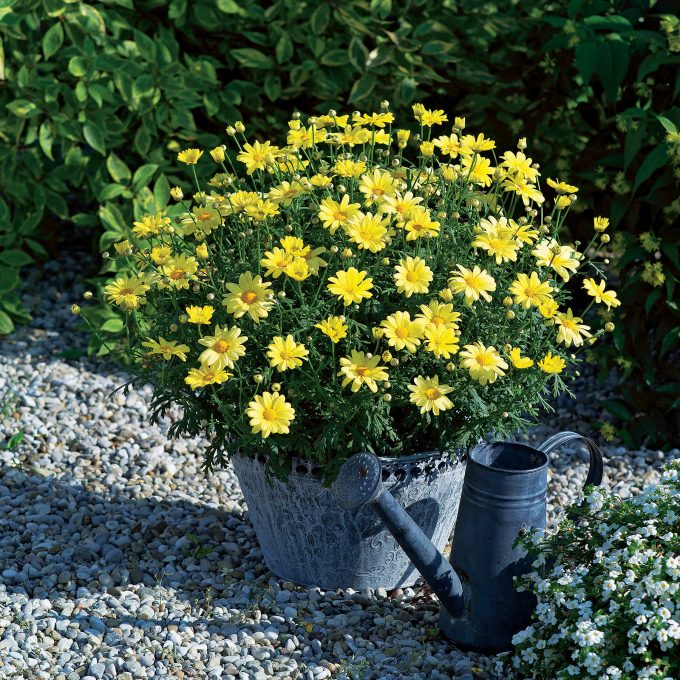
(360, 483)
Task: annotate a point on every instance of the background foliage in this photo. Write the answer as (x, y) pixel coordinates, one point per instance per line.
(96, 98)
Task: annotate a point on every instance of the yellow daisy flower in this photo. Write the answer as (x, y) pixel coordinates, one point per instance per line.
(189, 156)
(161, 254)
(334, 215)
(600, 223)
(501, 246)
(320, 181)
(518, 361)
(519, 164)
(429, 117)
(285, 353)
(420, 224)
(368, 231)
(402, 332)
(358, 369)
(150, 225)
(484, 364)
(269, 414)
(525, 190)
(167, 348)
(376, 185)
(439, 314)
(473, 284)
(530, 290)
(552, 364)
(571, 329)
(412, 275)
(262, 210)
(200, 315)
(128, 293)
(257, 156)
(334, 327)
(179, 270)
(548, 309)
(298, 269)
(200, 222)
(442, 341)
(374, 119)
(286, 192)
(351, 285)
(349, 168)
(401, 205)
(275, 262)
(429, 395)
(449, 145)
(471, 144)
(477, 169)
(562, 187)
(249, 296)
(204, 376)
(596, 290)
(561, 259)
(223, 348)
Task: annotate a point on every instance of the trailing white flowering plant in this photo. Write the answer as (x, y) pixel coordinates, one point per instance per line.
(608, 589)
(359, 289)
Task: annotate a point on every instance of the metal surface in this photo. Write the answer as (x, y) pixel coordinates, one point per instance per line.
(307, 538)
(504, 491)
(359, 481)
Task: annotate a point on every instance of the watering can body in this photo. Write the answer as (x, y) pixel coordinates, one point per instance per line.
(504, 492)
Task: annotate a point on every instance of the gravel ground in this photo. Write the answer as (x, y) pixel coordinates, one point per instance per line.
(120, 559)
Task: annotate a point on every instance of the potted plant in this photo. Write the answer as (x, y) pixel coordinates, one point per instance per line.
(359, 288)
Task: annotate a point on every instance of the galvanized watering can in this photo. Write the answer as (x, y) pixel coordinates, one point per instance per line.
(504, 491)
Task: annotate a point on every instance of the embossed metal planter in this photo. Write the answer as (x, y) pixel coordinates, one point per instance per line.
(308, 539)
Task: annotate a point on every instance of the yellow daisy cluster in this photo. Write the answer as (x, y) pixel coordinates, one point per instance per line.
(362, 265)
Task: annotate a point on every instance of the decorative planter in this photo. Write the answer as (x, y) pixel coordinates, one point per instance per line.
(308, 539)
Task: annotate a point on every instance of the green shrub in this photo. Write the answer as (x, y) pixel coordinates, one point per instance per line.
(89, 89)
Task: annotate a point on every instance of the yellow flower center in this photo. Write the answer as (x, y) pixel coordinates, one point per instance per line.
(361, 370)
(221, 346)
(257, 156)
(203, 217)
(416, 226)
(411, 277)
(401, 332)
(340, 216)
(437, 320)
(378, 191)
(269, 414)
(285, 354)
(483, 360)
(432, 394)
(248, 297)
(126, 291)
(164, 348)
(177, 274)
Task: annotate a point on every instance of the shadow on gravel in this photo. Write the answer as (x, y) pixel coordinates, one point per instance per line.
(58, 536)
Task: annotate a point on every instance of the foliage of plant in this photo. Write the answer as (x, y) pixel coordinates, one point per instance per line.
(346, 292)
(608, 589)
(91, 90)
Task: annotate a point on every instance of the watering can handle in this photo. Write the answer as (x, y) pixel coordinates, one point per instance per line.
(596, 465)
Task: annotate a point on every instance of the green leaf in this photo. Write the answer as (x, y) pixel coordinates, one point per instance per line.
(617, 408)
(143, 176)
(284, 48)
(77, 66)
(656, 158)
(117, 168)
(161, 192)
(338, 57)
(143, 87)
(252, 58)
(381, 7)
(21, 108)
(53, 40)
(320, 18)
(112, 326)
(358, 54)
(15, 258)
(46, 139)
(668, 125)
(231, 7)
(361, 89)
(93, 136)
(587, 54)
(670, 340)
(651, 300)
(9, 279)
(272, 87)
(142, 141)
(6, 324)
(111, 191)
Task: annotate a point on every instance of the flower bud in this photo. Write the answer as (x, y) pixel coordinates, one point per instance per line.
(605, 238)
(377, 332)
(387, 397)
(446, 294)
(394, 362)
(210, 296)
(87, 295)
(174, 327)
(522, 143)
(276, 387)
(240, 127)
(258, 378)
(386, 356)
(427, 149)
(231, 130)
(384, 105)
(609, 327)
(507, 301)
(217, 154)
(177, 193)
(281, 294)
(510, 314)
(450, 367)
(75, 309)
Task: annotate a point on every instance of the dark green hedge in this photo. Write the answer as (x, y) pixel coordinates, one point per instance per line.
(97, 98)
